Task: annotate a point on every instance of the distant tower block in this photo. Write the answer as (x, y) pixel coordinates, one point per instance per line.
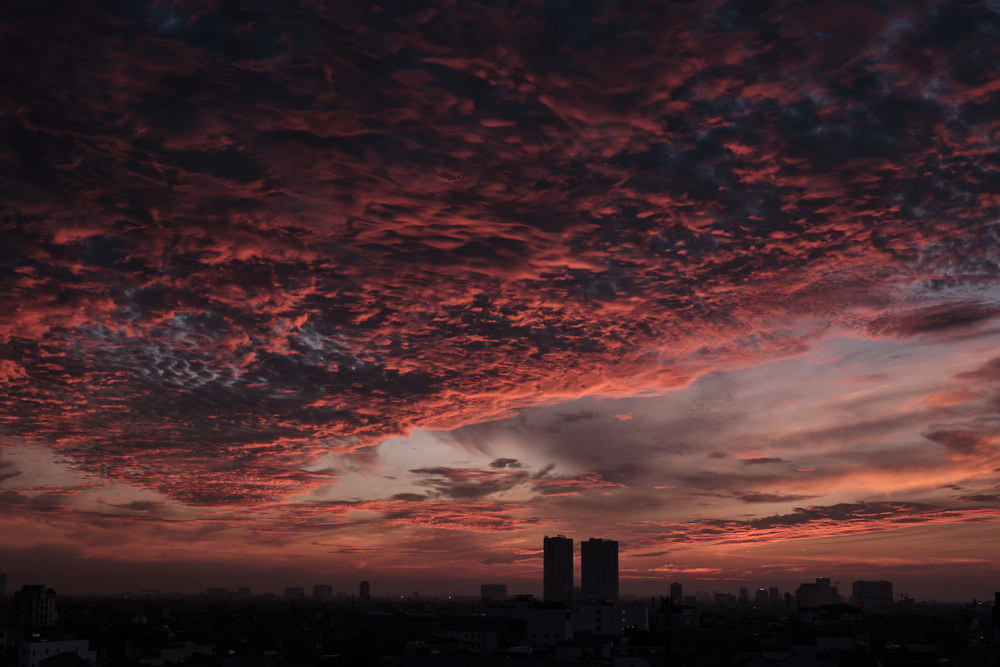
(366, 591)
(35, 606)
(557, 577)
(676, 593)
(872, 594)
(3, 584)
(996, 620)
(493, 592)
(599, 569)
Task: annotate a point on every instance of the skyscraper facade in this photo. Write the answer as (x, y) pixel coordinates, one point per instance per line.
(35, 606)
(872, 594)
(557, 578)
(676, 593)
(599, 569)
(493, 592)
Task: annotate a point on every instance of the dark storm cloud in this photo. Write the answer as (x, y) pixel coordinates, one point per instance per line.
(506, 463)
(962, 442)
(762, 460)
(476, 483)
(468, 483)
(810, 522)
(236, 237)
(61, 504)
(992, 498)
(935, 319)
(8, 470)
(755, 497)
(990, 372)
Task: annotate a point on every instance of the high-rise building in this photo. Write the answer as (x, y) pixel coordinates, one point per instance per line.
(493, 592)
(35, 606)
(3, 584)
(996, 619)
(825, 590)
(676, 593)
(599, 569)
(557, 576)
(872, 594)
(814, 595)
(365, 592)
(322, 592)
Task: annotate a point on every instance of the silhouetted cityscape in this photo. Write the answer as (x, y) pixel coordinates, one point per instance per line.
(395, 333)
(816, 624)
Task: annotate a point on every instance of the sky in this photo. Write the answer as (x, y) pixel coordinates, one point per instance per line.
(316, 292)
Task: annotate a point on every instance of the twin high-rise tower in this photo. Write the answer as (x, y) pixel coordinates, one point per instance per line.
(557, 569)
(598, 569)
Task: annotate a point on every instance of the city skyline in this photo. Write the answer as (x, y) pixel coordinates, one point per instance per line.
(598, 579)
(865, 594)
(297, 293)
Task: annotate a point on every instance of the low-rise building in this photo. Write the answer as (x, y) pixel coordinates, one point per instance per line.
(546, 623)
(610, 619)
(31, 654)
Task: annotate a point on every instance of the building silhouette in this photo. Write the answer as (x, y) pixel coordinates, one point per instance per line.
(676, 593)
(557, 576)
(814, 595)
(599, 569)
(59, 652)
(365, 591)
(872, 594)
(493, 592)
(35, 606)
(3, 584)
(996, 621)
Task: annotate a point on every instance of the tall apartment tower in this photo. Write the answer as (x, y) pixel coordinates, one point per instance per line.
(3, 584)
(872, 594)
(676, 593)
(35, 606)
(493, 592)
(557, 581)
(365, 591)
(599, 569)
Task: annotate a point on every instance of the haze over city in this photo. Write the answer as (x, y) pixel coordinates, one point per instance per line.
(320, 292)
